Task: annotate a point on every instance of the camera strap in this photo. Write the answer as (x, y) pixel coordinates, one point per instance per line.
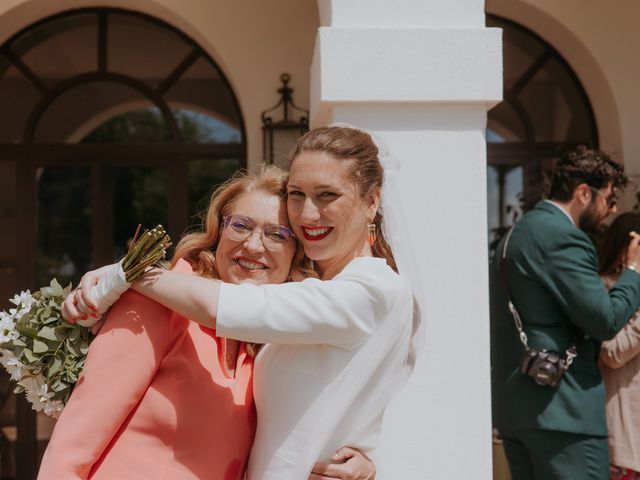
(570, 353)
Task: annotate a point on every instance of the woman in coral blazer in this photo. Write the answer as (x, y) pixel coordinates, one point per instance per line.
(160, 396)
(154, 401)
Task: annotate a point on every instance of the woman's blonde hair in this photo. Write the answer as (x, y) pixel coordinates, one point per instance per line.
(198, 248)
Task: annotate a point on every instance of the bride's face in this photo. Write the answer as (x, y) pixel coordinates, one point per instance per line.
(326, 210)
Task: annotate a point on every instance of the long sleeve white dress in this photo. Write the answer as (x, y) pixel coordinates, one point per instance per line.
(336, 353)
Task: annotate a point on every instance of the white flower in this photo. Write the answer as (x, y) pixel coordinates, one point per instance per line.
(35, 400)
(23, 302)
(17, 314)
(8, 331)
(12, 364)
(29, 383)
(37, 392)
(23, 299)
(53, 408)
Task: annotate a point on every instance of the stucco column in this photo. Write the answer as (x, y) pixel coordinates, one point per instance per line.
(422, 75)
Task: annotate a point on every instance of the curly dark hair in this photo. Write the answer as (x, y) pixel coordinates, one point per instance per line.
(583, 165)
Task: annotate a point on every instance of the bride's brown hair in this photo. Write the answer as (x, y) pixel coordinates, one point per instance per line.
(198, 248)
(357, 147)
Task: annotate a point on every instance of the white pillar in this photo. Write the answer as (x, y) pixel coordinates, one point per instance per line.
(422, 74)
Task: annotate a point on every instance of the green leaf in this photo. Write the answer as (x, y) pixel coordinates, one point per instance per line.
(75, 333)
(54, 367)
(61, 395)
(39, 346)
(29, 356)
(8, 346)
(48, 333)
(25, 330)
(62, 331)
(59, 386)
(18, 342)
(74, 347)
(50, 320)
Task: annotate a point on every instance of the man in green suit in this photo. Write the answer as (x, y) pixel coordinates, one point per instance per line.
(547, 266)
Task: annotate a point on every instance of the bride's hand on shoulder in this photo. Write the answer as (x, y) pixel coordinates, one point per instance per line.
(348, 464)
(80, 304)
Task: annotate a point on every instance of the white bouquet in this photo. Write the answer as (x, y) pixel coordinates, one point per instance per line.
(43, 353)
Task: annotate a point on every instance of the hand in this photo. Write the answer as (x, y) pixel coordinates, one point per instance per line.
(81, 303)
(348, 463)
(633, 250)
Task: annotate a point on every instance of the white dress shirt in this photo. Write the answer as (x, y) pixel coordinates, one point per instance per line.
(336, 353)
(561, 208)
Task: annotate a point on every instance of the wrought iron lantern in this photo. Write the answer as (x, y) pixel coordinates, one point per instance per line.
(279, 136)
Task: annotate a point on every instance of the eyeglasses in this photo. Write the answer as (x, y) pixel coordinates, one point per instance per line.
(611, 199)
(274, 237)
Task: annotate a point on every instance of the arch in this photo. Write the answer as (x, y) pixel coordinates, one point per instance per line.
(106, 115)
(63, 87)
(579, 58)
(88, 126)
(30, 13)
(549, 111)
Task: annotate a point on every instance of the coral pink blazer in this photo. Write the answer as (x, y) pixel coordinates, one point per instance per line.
(154, 402)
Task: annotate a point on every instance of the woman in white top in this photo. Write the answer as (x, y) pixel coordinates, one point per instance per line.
(338, 347)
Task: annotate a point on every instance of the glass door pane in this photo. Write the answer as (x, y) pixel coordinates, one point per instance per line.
(9, 263)
(64, 223)
(205, 175)
(140, 197)
(504, 199)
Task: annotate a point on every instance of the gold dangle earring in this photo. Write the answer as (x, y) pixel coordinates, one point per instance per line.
(372, 236)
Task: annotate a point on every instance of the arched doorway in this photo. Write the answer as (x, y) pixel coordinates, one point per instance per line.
(545, 112)
(108, 118)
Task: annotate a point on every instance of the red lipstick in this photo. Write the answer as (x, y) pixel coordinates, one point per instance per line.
(314, 234)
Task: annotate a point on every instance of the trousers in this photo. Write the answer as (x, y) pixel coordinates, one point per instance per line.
(552, 455)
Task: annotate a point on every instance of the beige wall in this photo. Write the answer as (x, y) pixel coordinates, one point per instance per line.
(599, 39)
(252, 41)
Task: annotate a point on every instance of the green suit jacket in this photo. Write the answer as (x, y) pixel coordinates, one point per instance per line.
(551, 273)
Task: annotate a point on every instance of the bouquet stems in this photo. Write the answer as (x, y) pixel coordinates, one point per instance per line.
(146, 251)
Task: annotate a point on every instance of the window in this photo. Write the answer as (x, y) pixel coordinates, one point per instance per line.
(545, 112)
(109, 118)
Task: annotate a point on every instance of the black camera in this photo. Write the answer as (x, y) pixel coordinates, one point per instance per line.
(546, 368)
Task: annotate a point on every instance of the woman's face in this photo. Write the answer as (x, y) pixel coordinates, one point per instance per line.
(240, 261)
(326, 210)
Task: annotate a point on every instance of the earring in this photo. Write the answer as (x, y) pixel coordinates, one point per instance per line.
(372, 236)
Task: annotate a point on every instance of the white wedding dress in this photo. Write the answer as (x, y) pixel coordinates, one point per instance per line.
(336, 353)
